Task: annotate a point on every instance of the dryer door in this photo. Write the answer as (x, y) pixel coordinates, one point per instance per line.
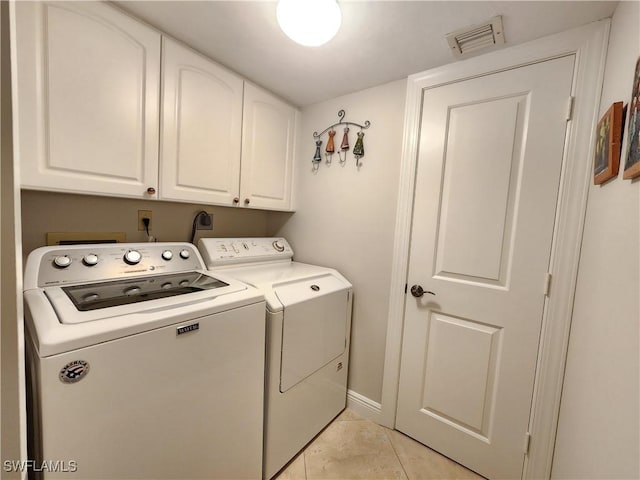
(315, 326)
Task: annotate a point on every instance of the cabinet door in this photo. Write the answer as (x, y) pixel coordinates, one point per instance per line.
(201, 128)
(267, 151)
(87, 90)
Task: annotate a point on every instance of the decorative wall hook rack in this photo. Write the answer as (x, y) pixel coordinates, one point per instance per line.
(358, 149)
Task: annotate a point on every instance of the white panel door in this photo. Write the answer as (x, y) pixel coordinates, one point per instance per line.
(201, 128)
(489, 165)
(88, 85)
(268, 136)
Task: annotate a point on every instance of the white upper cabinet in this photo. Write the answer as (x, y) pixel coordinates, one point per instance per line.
(267, 151)
(88, 89)
(89, 120)
(201, 128)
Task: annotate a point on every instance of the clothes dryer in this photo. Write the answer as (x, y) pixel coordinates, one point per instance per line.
(308, 314)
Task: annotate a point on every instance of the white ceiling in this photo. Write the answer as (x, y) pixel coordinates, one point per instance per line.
(379, 41)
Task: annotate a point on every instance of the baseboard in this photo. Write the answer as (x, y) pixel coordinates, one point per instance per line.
(365, 407)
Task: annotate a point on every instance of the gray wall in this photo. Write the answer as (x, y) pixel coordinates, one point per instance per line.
(44, 212)
(345, 217)
(598, 430)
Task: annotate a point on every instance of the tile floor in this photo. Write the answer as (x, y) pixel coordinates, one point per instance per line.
(355, 448)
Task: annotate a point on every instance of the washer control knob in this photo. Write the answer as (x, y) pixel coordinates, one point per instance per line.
(131, 291)
(62, 261)
(90, 260)
(90, 297)
(184, 253)
(278, 246)
(167, 255)
(132, 257)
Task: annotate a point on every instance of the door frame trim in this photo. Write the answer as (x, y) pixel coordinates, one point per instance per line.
(589, 45)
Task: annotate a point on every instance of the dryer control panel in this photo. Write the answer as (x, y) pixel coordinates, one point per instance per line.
(217, 252)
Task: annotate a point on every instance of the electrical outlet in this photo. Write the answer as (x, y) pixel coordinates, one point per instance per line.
(205, 221)
(145, 214)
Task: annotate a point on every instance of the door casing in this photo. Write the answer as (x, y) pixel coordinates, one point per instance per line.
(589, 44)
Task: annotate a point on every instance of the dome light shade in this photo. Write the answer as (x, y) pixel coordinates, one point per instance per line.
(309, 22)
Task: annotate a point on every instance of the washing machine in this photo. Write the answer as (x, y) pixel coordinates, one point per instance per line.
(141, 364)
(308, 312)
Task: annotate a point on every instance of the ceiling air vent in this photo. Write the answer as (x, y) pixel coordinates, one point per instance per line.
(477, 37)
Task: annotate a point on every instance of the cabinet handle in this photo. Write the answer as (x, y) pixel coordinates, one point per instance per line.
(247, 201)
(236, 200)
(151, 191)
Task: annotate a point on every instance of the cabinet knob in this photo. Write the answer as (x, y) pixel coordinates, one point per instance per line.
(236, 200)
(247, 201)
(151, 191)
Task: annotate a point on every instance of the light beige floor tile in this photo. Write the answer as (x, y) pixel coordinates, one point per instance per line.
(352, 450)
(294, 471)
(348, 415)
(422, 463)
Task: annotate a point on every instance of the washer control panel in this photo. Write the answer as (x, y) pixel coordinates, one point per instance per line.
(86, 263)
(228, 251)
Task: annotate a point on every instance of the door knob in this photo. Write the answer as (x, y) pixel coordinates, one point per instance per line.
(417, 291)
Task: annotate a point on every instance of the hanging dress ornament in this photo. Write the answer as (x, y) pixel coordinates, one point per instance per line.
(358, 148)
(343, 149)
(344, 146)
(331, 148)
(317, 157)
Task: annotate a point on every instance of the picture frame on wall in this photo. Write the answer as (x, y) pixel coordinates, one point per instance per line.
(632, 165)
(607, 148)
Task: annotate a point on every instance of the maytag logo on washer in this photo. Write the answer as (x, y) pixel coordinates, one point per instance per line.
(188, 328)
(74, 371)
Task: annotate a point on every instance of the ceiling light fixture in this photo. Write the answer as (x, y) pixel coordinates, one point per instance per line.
(309, 22)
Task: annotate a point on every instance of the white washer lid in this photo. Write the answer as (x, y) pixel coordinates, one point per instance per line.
(70, 312)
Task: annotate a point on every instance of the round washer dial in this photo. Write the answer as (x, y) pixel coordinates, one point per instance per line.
(90, 260)
(62, 261)
(132, 257)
